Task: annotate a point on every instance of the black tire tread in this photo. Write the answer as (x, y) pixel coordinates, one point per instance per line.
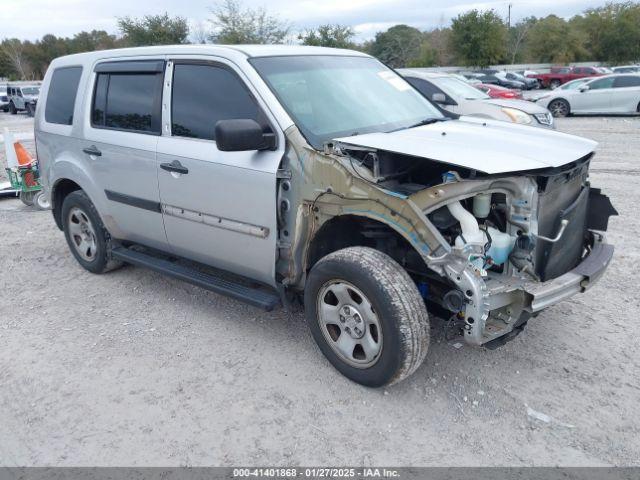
(109, 262)
(414, 321)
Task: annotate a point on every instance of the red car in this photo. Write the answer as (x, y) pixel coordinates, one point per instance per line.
(561, 75)
(496, 91)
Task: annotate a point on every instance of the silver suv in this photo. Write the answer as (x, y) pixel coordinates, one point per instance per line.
(22, 98)
(276, 173)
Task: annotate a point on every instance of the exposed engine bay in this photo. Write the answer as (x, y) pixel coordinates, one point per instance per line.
(510, 242)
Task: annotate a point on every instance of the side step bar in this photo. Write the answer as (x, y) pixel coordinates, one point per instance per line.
(253, 296)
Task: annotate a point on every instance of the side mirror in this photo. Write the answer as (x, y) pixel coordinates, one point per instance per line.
(584, 88)
(241, 135)
(438, 98)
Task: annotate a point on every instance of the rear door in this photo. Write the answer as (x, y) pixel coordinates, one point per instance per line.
(625, 97)
(221, 210)
(119, 144)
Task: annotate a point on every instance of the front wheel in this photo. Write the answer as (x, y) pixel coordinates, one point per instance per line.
(559, 108)
(12, 109)
(367, 316)
(554, 84)
(30, 110)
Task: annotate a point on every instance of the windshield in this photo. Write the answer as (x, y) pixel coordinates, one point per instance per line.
(458, 89)
(30, 90)
(335, 96)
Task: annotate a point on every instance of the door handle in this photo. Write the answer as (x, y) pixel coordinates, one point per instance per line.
(92, 150)
(174, 166)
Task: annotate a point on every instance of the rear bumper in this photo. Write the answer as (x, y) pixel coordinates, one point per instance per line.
(578, 280)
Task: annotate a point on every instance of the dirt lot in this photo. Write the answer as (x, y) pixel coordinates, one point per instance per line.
(132, 368)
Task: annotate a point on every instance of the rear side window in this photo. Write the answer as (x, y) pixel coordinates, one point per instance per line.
(61, 98)
(630, 81)
(128, 101)
(204, 94)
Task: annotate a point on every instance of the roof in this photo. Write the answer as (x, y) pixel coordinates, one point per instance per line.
(230, 51)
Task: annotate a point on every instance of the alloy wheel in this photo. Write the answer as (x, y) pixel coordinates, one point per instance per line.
(349, 323)
(82, 234)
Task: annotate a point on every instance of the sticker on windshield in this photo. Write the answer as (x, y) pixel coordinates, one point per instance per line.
(394, 80)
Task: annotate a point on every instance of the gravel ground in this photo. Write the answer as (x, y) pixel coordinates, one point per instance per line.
(133, 368)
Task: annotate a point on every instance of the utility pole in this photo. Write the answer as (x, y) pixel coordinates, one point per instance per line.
(509, 18)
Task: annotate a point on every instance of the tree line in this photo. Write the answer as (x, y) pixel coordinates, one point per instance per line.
(610, 34)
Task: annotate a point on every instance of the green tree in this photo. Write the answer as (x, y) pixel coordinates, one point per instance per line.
(233, 24)
(334, 36)
(552, 40)
(153, 30)
(479, 38)
(398, 46)
(612, 32)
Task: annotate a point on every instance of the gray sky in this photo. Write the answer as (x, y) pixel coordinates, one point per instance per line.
(66, 17)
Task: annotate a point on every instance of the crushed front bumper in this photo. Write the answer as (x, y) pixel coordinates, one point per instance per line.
(575, 281)
(509, 302)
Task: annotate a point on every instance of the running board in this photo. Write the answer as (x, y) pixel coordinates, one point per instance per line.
(253, 296)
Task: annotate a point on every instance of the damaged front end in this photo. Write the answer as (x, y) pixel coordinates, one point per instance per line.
(503, 246)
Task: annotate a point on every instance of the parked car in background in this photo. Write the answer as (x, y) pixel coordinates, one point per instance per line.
(459, 97)
(627, 69)
(567, 86)
(496, 91)
(604, 70)
(4, 100)
(503, 82)
(617, 93)
(561, 75)
(529, 83)
(22, 98)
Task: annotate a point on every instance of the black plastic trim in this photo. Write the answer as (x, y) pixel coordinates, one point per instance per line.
(254, 296)
(133, 201)
(138, 66)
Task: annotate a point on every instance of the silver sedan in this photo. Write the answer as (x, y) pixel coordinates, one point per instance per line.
(610, 94)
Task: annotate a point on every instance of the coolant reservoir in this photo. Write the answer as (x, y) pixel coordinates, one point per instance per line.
(501, 245)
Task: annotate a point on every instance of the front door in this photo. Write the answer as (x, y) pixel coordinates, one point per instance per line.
(219, 208)
(119, 146)
(597, 99)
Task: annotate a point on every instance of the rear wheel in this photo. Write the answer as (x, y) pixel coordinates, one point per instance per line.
(86, 236)
(367, 316)
(559, 108)
(554, 84)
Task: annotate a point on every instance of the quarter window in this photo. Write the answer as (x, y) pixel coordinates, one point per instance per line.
(61, 97)
(128, 101)
(203, 95)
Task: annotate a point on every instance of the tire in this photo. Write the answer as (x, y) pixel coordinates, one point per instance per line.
(30, 110)
(638, 108)
(27, 198)
(86, 236)
(553, 84)
(559, 107)
(377, 305)
(39, 200)
(12, 109)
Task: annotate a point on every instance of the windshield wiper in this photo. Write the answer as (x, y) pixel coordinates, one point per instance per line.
(424, 121)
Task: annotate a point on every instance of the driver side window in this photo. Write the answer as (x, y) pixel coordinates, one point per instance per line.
(602, 83)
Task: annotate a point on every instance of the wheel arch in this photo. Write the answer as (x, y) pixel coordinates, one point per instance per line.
(352, 230)
(59, 191)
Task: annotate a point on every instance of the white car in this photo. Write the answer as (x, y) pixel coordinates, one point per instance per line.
(617, 93)
(461, 98)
